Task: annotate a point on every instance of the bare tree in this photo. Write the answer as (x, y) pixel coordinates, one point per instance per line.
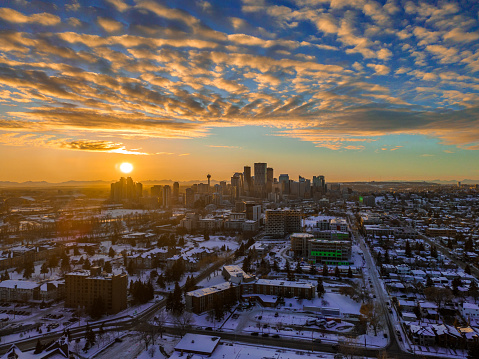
(147, 334)
(182, 322)
(159, 321)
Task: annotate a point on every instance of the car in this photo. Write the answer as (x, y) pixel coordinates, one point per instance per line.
(275, 335)
(208, 328)
(317, 340)
(265, 335)
(118, 340)
(260, 317)
(276, 314)
(255, 334)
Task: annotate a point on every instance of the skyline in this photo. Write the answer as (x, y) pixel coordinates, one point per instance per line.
(352, 90)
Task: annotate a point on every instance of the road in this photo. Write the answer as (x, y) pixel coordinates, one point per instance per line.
(381, 297)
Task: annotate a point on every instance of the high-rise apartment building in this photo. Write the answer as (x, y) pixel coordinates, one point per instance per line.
(282, 222)
(126, 189)
(284, 181)
(189, 197)
(83, 288)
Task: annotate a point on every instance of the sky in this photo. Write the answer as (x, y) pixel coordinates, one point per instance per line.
(349, 89)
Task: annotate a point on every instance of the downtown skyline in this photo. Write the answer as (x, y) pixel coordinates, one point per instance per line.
(353, 90)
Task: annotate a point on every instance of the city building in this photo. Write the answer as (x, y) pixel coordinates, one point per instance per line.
(83, 287)
(166, 196)
(321, 251)
(126, 190)
(282, 222)
(260, 173)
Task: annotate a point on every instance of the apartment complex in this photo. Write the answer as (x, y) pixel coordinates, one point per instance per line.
(83, 287)
(282, 222)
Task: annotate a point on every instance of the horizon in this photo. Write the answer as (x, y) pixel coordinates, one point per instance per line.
(348, 90)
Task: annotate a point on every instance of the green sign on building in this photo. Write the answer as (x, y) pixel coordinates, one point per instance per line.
(326, 254)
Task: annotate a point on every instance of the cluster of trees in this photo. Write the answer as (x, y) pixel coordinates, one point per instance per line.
(142, 292)
(174, 301)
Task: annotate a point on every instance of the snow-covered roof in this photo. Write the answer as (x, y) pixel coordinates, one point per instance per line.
(18, 284)
(197, 343)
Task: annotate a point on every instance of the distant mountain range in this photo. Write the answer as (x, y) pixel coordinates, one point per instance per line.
(97, 183)
(101, 183)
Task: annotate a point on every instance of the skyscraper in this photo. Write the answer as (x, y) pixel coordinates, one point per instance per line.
(260, 179)
(126, 189)
(166, 196)
(247, 180)
(269, 180)
(176, 192)
(284, 181)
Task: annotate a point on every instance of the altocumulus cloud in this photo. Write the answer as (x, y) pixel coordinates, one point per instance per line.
(338, 74)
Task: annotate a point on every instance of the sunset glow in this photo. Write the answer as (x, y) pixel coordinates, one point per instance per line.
(126, 167)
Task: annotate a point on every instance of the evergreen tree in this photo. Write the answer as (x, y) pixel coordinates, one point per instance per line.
(325, 270)
(429, 282)
(44, 269)
(408, 249)
(107, 267)
(161, 281)
(29, 269)
(312, 270)
(467, 269)
(298, 268)
(337, 272)
(86, 264)
(350, 273)
(320, 287)
(111, 252)
(38, 347)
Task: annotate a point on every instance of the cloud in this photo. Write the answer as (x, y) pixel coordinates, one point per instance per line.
(14, 16)
(457, 35)
(51, 141)
(109, 25)
(380, 69)
(222, 146)
(119, 5)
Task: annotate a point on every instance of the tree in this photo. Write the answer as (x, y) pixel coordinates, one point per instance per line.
(44, 269)
(65, 264)
(325, 270)
(408, 249)
(86, 264)
(473, 290)
(312, 270)
(174, 301)
(52, 263)
(429, 282)
(438, 295)
(337, 272)
(183, 321)
(111, 252)
(159, 321)
(467, 269)
(298, 268)
(372, 313)
(38, 347)
(320, 287)
(456, 283)
(350, 273)
(473, 352)
(29, 269)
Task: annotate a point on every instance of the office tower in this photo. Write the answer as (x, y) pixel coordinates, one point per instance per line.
(269, 180)
(319, 185)
(156, 190)
(190, 197)
(126, 189)
(260, 179)
(248, 185)
(237, 185)
(166, 196)
(176, 192)
(284, 181)
(82, 289)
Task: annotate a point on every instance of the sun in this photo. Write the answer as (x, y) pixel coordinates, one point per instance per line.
(126, 167)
